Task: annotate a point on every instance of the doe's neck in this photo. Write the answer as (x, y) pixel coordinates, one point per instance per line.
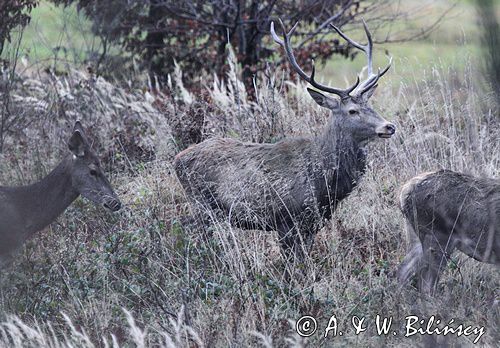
(43, 201)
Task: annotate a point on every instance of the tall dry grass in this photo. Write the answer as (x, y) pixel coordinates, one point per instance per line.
(181, 287)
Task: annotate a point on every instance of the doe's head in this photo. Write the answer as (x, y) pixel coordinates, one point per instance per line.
(87, 176)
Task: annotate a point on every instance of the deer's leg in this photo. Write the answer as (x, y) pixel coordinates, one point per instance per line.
(290, 242)
(436, 248)
(413, 259)
(291, 249)
(296, 241)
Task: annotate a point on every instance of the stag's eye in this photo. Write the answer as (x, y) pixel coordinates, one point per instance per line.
(93, 172)
(353, 111)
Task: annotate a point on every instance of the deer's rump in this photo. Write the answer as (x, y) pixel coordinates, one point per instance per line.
(457, 208)
(259, 185)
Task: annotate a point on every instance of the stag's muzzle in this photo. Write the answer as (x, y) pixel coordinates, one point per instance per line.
(386, 131)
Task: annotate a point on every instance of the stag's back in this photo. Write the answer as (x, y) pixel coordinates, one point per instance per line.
(256, 184)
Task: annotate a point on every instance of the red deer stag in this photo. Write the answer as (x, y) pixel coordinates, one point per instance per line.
(292, 185)
(445, 211)
(25, 210)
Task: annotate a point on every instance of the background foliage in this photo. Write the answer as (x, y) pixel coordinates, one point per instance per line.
(14, 14)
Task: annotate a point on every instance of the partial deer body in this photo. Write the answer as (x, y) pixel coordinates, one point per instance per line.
(25, 210)
(445, 211)
(292, 185)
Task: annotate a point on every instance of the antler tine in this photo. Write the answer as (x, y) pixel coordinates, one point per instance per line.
(353, 87)
(371, 78)
(345, 92)
(369, 48)
(386, 69)
(285, 43)
(365, 48)
(348, 39)
(374, 79)
(276, 38)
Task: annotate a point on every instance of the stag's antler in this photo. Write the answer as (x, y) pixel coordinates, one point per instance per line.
(343, 93)
(372, 78)
(370, 81)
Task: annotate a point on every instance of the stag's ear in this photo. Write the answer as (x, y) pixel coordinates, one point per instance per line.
(323, 100)
(368, 94)
(78, 143)
(78, 127)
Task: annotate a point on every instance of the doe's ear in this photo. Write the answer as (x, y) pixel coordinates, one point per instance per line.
(323, 100)
(78, 143)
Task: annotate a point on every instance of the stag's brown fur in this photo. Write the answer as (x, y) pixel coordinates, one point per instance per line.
(445, 211)
(290, 186)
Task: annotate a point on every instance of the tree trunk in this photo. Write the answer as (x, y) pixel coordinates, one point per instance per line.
(155, 60)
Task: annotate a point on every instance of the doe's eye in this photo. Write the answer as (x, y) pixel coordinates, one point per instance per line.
(93, 172)
(353, 111)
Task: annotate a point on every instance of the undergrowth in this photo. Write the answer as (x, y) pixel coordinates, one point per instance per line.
(137, 278)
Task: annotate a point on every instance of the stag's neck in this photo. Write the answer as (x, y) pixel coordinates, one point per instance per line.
(42, 202)
(343, 158)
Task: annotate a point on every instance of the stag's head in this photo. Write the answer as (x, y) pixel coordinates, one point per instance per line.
(87, 176)
(350, 107)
